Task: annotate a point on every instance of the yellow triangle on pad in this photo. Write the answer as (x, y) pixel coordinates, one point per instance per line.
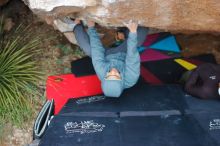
(187, 65)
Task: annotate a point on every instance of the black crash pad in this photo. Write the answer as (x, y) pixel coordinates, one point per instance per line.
(143, 115)
(200, 105)
(207, 114)
(141, 97)
(82, 67)
(126, 131)
(210, 123)
(163, 131)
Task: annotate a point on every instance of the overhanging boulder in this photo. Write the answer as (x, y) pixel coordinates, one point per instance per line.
(172, 15)
(3, 2)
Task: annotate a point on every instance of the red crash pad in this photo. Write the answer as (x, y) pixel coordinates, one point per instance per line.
(62, 87)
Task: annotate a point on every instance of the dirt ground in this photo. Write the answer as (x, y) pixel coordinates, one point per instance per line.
(57, 53)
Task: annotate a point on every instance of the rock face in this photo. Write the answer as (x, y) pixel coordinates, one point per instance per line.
(3, 2)
(173, 15)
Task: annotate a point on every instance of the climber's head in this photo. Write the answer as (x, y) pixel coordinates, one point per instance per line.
(120, 34)
(112, 85)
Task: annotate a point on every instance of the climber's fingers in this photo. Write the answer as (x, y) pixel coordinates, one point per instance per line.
(131, 25)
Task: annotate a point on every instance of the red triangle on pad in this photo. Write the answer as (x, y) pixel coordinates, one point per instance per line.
(149, 77)
(152, 55)
(152, 38)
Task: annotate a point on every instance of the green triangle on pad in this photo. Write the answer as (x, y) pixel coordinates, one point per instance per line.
(166, 44)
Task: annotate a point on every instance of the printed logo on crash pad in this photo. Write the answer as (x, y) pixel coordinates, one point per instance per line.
(213, 77)
(90, 99)
(83, 127)
(214, 124)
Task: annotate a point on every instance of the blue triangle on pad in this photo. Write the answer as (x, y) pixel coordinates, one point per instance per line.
(141, 49)
(166, 44)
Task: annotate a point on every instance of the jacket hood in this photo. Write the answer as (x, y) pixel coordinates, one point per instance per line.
(112, 88)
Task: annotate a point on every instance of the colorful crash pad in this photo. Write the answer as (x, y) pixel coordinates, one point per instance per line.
(150, 39)
(161, 41)
(141, 49)
(166, 44)
(152, 55)
(149, 77)
(62, 87)
(187, 65)
(168, 71)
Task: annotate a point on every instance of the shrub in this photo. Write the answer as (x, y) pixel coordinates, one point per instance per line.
(18, 74)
